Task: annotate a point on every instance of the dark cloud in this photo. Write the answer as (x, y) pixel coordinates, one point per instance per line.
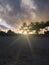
(16, 11)
(42, 4)
(42, 9)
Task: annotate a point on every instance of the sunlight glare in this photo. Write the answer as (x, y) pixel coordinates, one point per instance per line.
(25, 33)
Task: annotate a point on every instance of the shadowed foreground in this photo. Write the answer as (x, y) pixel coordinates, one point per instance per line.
(18, 50)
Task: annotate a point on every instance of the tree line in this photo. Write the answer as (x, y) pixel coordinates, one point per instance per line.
(35, 26)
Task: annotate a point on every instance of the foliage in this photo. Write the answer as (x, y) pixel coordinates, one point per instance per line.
(35, 26)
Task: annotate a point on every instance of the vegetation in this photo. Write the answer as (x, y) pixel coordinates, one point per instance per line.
(35, 26)
(31, 27)
(9, 33)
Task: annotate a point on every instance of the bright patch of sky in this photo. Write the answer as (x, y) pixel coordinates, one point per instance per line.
(3, 23)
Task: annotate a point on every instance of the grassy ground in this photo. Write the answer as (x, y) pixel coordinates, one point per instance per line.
(24, 50)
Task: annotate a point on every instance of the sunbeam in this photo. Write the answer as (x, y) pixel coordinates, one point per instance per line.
(15, 41)
(29, 43)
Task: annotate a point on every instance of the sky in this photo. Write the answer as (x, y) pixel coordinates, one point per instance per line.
(15, 12)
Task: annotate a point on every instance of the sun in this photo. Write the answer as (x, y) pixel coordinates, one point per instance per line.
(25, 33)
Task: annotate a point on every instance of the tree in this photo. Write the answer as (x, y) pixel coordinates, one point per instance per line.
(46, 33)
(34, 26)
(37, 27)
(24, 27)
(42, 25)
(47, 23)
(31, 26)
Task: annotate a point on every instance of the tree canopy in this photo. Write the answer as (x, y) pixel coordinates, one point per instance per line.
(35, 26)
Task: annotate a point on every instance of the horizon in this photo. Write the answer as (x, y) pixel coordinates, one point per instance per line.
(13, 13)
(24, 32)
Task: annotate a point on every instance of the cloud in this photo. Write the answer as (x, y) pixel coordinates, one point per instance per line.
(5, 10)
(42, 9)
(16, 11)
(27, 10)
(28, 3)
(3, 23)
(3, 28)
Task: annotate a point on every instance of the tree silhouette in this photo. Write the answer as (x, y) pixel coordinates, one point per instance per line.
(31, 26)
(47, 23)
(34, 26)
(2, 33)
(9, 33)
(47, 33)
(37, 27)
(24, 27)
(42, 25)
